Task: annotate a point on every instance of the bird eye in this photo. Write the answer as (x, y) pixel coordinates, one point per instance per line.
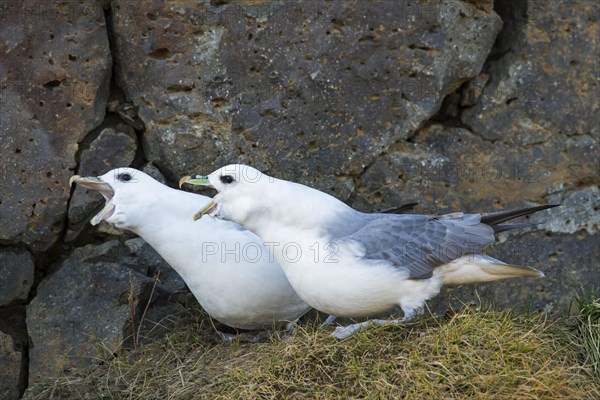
(124, 177)
(227, 179)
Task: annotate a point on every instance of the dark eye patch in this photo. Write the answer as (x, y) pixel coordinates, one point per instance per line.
(124, 177)
(227, 179)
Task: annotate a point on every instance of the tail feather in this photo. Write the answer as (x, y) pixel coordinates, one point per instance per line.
(507, 227)
(503, 216)
(469, 270)
(507, 271)
(476, 268)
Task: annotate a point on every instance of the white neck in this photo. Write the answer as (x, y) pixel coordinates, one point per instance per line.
(167, 228)
(313, 210)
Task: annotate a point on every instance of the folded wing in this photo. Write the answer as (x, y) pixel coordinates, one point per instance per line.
(421, 243)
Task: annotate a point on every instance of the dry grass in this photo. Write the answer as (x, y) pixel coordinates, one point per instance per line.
(483, 355)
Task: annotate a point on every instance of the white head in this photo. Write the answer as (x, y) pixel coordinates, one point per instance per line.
(129, 193)
(251, 198)
(240, 188)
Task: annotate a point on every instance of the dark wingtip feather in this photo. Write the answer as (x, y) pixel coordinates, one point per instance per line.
(507, 227)
(399, 210)
(503, 216)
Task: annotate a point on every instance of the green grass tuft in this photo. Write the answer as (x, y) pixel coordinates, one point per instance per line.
(588, 323)
(472, 354)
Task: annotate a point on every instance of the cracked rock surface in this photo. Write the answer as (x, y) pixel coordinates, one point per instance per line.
(92, 290)
(457, 105)
(55, 83)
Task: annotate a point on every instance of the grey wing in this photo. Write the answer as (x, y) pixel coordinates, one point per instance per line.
(421, 243)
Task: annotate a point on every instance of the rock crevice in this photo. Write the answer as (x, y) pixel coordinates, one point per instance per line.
(458, 105)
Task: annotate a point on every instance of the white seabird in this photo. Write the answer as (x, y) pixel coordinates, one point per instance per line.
(352, 264)
(226, 267)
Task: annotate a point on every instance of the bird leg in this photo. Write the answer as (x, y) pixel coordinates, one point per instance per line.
(290, 327)
(328, 321)
(342, 332)
(244, 337)
(410, 314)
(226, 337)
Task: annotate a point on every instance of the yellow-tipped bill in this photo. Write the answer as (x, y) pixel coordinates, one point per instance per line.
(200, 180)
(74, 179)
(93, 183)
(97, 184)
(89, 182)
(205, 210)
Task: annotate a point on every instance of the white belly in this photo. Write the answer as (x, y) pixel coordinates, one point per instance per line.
(246, 295)
(230, 274)
(352, 287)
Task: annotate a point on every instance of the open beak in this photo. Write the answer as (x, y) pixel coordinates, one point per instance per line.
(98, 185)
(207, 209)
(195, 180)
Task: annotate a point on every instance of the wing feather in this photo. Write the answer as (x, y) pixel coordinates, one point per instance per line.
(420, 243)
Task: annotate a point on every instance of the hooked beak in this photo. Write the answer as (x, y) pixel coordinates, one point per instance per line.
(98, 185)
(200, 180)
(93, 183)
(207, 209)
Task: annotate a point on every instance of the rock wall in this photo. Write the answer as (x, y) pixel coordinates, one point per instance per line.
(458, 105)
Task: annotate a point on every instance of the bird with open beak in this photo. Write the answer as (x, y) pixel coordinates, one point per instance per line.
(226, 267)
(353, 264)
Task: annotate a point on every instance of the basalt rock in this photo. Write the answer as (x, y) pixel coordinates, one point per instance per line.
(10, 368)
(16, 276)
(83, 312)
(55, 73)
(309, 89)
